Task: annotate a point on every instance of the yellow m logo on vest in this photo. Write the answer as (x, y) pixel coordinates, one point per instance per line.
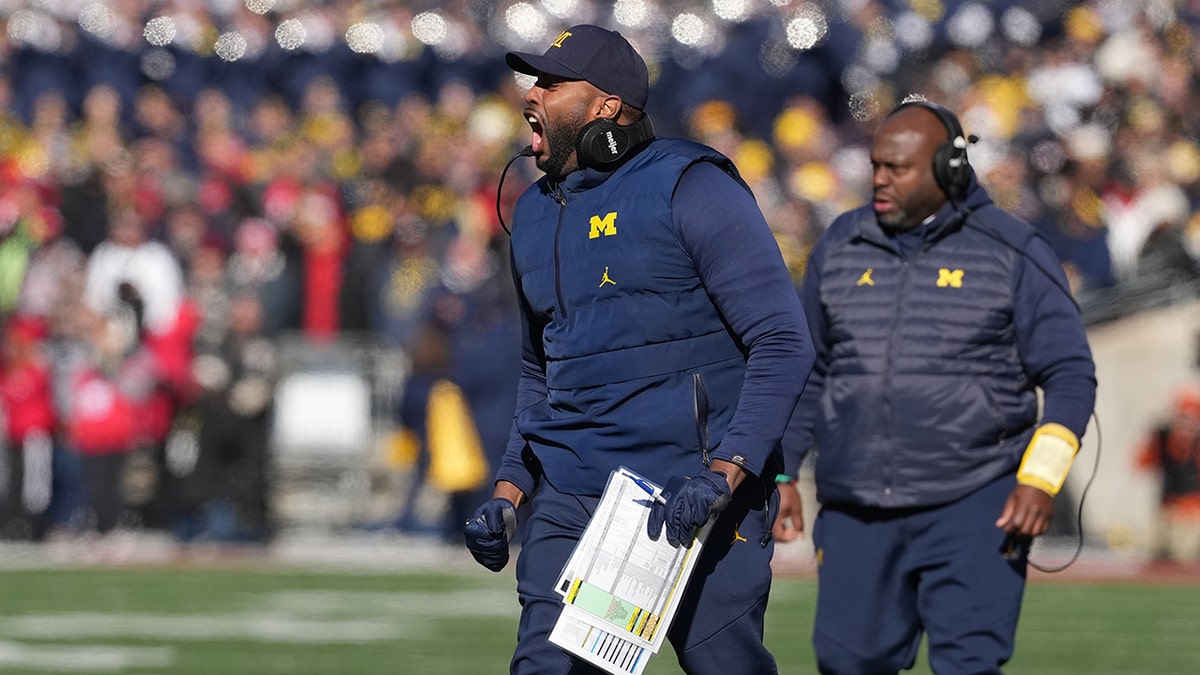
(951, 278)
(606, 225)
(558, 41)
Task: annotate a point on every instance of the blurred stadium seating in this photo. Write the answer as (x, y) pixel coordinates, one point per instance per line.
(350, 150)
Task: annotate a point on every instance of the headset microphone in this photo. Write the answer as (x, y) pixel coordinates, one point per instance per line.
(527, 151)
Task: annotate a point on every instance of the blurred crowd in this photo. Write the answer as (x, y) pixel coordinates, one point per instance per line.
(182, 184)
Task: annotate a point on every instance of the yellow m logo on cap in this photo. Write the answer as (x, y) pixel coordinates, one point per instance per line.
(561, 37)
(951, 278)
(606, 225)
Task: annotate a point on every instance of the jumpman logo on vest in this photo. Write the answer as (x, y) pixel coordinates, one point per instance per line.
(865, 279)
(606, 279)
(737, 536)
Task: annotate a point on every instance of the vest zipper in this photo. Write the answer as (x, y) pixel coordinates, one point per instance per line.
(889, 371)
(558, 292)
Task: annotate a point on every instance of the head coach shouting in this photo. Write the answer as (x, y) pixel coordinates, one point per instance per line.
(662, 334)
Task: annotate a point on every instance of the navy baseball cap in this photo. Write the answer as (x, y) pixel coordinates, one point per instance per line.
(585, 52)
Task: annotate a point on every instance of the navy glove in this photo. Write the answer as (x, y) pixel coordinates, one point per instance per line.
(488, 532)
(690, 502)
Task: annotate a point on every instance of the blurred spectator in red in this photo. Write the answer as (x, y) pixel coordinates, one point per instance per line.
(175, 389)
(305, 207)
(52, 292)
(320, 228)
(28, 419)
(1173, 451)
(136, 280)
(108, 397)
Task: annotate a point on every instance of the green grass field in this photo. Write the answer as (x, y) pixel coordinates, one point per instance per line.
(253, 620)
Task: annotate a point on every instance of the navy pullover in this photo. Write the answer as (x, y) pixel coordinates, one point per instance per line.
(931, 345)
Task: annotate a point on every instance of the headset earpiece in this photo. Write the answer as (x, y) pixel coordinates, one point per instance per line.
(604, 143)
(951, 169)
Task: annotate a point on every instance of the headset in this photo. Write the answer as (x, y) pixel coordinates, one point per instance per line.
(603, 143)
(951, 169)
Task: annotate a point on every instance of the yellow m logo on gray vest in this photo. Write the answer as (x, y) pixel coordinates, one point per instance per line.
(951, 278)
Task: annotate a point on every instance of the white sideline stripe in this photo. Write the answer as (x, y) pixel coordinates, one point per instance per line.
(260, 627)
(92, 658)
(285, 616)
(403, 604)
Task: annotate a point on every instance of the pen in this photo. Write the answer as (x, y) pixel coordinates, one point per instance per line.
(658, 498)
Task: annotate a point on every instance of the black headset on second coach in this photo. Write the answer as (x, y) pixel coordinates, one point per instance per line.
(950, 166)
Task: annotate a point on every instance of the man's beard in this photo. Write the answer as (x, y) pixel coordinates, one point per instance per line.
(898, 221)
(562, 139)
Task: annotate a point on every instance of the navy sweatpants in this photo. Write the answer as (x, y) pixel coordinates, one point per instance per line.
(718, 628)
(887, 575)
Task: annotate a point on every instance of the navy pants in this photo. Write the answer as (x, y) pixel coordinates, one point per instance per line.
(888, 575)
(718, 629)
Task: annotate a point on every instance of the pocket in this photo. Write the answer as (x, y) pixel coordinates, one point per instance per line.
(772, 511)
(700, 401)
(817, 539)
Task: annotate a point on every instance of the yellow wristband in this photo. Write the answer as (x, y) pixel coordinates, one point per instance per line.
(1048, 458)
